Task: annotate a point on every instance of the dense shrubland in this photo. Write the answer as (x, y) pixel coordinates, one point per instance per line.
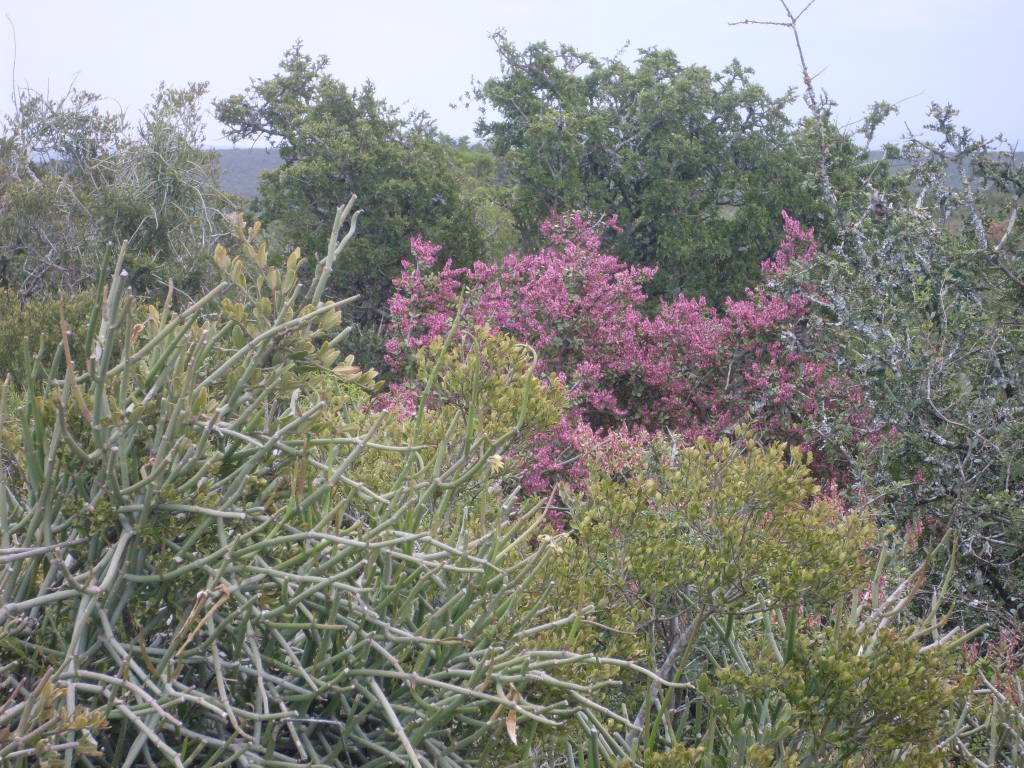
(205, 559)
(583, 517)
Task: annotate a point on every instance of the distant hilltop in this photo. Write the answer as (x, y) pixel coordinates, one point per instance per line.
(241, 168)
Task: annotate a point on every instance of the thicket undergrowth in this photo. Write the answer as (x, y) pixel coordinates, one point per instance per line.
(220, 546)
(581, 518)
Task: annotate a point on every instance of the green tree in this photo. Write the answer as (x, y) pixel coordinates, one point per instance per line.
(697, 165)
(333, 141)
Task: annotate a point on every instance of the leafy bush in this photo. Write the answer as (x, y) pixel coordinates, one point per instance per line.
(77, 183)
(768, 604)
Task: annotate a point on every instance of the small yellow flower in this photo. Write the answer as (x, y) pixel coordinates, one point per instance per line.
(496, 462)
(555, 542)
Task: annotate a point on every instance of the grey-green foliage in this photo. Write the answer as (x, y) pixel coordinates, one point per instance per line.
(193, 571)
(77, 181)
(925, 291)
(922, 293)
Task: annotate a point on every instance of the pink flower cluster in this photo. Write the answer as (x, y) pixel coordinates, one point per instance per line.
(798, 248)
(686, 367)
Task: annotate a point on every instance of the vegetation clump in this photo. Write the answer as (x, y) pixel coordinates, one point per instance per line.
(698, 442)
(194, 571)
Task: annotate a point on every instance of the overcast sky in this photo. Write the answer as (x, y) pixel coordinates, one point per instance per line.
(422, 54)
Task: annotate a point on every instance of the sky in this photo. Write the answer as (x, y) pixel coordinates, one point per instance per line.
(423, 55)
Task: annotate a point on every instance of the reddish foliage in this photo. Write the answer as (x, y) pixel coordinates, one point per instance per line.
(687, 367)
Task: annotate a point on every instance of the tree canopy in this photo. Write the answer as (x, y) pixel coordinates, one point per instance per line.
(696, 164)
(719, 465)
(335, 141)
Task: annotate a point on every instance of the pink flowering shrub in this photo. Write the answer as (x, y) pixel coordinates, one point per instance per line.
(685, 367)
